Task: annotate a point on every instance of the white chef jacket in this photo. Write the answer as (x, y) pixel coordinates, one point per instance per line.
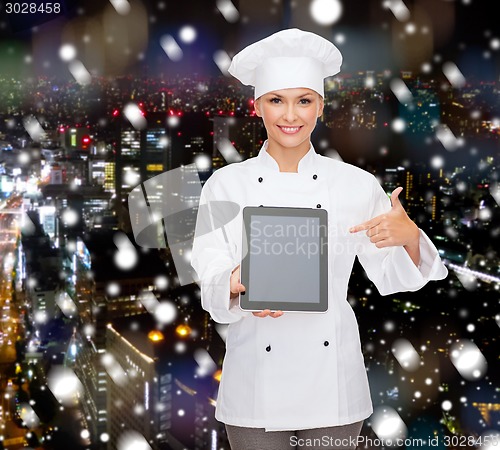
(301, 370)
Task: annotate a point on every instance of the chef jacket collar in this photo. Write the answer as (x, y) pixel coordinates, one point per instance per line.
(306, 163)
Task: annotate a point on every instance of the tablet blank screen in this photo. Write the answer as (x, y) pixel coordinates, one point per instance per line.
(284, 259)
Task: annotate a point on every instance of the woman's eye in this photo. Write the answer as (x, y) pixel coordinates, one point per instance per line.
(275, 100)
(305, 101)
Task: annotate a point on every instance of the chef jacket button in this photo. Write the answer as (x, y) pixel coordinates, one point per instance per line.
(326, 343)
(261, 179)
(315, 176)
(318, 206)
(268, 348)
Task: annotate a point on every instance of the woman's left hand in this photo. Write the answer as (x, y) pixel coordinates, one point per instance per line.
(268, 312)
(393, 228)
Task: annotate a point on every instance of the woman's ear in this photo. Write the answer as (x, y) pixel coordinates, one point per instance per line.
(321, 105)
(256, 105)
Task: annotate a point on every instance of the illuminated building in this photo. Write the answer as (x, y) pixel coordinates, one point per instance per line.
(247, 133)
(88, 202)
(188, 139)
(109, 176)
(102, 172)
(98, 305)
(190, 135)
(40, 274)
(394, 177)
(163, 395)
(141, 154)
(128, 161)
(75, 139)
(486, 409)
(56, 174)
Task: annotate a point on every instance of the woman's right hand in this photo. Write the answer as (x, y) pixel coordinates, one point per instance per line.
(236, 288)
(234, 283)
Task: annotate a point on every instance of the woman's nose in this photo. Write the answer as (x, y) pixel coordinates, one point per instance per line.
(290, 114)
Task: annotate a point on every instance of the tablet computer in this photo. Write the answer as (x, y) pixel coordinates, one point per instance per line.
(285, 259)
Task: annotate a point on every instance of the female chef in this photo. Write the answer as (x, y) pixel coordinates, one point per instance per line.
(290, 378)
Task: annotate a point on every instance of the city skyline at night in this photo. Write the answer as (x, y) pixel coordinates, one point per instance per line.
(102, 344)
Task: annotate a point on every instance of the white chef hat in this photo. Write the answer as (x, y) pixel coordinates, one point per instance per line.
(287, 59)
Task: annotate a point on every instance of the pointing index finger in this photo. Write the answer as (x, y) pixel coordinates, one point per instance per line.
(365, 225)
(360, 227)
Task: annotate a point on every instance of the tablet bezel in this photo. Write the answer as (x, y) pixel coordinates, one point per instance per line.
(246, 303)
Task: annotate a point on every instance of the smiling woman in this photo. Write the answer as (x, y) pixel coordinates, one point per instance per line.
(298, 378)
(289, 116)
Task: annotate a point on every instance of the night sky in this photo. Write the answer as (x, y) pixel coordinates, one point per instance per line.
(367, 32)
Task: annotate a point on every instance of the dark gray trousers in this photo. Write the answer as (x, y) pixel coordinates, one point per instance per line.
(331, 438)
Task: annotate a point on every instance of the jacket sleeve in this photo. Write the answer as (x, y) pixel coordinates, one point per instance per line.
(391, 269)
(213, 258)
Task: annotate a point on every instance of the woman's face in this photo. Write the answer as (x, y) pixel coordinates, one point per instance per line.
(290, 116)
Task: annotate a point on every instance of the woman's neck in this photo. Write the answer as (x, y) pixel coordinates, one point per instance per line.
(288, 158)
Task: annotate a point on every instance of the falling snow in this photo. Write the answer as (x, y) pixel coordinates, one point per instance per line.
(439, 357)
(171, 48)
(387, 424)
(454, 75)
(228, 10)
(126, 256)
(165, 312)
(64, 385)
(67, 52)
(326, 12)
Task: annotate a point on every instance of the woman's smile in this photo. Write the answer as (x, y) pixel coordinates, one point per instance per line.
(289, 130)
